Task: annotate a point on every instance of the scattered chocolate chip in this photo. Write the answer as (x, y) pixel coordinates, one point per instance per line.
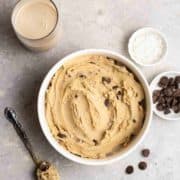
(134, 121)
(76, 96)
(61, 135)
(129, 169)
(107, 102)
(142, 165)
(145, 152)
(106, 79)
(115, 87)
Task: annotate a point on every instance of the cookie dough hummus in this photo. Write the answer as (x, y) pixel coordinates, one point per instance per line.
(94, 106)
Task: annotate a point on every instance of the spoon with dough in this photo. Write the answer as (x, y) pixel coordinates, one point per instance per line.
(44, 169)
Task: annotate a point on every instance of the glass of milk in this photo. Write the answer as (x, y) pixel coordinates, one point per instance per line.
(36, 23)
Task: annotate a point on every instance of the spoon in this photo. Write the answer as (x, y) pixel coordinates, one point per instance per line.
(44, 169)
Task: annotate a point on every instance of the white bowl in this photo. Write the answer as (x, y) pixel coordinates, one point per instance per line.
(148, 31)
(61, 149)
(154, 86)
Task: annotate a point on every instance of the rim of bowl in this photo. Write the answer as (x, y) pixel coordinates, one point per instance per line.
(140, 31)
(117, 156)
(152, 88)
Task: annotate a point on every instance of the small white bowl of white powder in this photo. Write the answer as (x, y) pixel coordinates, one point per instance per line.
(147, 46)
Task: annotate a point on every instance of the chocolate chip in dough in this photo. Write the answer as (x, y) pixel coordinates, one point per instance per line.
(95, 142)
(145, 152)
(142, 165)
(129, 169)
(115, 87)
(107, 102)
(82, 76)
(106, 79)
(61, 135)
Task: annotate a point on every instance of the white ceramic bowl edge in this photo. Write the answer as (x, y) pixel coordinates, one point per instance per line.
(125, 151)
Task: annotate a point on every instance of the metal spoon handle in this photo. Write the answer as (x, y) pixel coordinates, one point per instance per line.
(10, 115)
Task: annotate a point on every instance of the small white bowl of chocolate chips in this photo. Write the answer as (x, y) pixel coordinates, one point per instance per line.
(166, 95)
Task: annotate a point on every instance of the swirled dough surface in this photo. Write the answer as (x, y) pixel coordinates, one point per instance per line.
(94, 106)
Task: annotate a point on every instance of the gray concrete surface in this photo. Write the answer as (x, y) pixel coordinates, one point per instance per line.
(86, 24)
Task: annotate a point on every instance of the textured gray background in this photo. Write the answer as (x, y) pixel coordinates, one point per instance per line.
(86, 24)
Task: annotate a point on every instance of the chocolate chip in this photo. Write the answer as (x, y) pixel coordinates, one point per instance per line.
(159, 107)
(142, 165)
(145, 152)
(176, 109)
(115, 87)
(177, 93)
(134, 121)
(168, 92)
(92, 62)
(177, 79)
(171, 82)
(95, 142)
(174, 102)
(82, 76)
(129, 169)
(142, 103)
(107, 102)
(156, 95)
(161, 100)
(132, 136)
(117, 63)
(108, 57)
(166, 111)
(43, 166)
(163, 82)
(106, 79)
(118, 95)
(61, 135)
(76, 96)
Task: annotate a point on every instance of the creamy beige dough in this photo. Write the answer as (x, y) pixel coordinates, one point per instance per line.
(94, 106)
(49, 174)
(36, 19)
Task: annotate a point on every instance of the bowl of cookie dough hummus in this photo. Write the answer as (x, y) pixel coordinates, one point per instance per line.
(94, 107)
